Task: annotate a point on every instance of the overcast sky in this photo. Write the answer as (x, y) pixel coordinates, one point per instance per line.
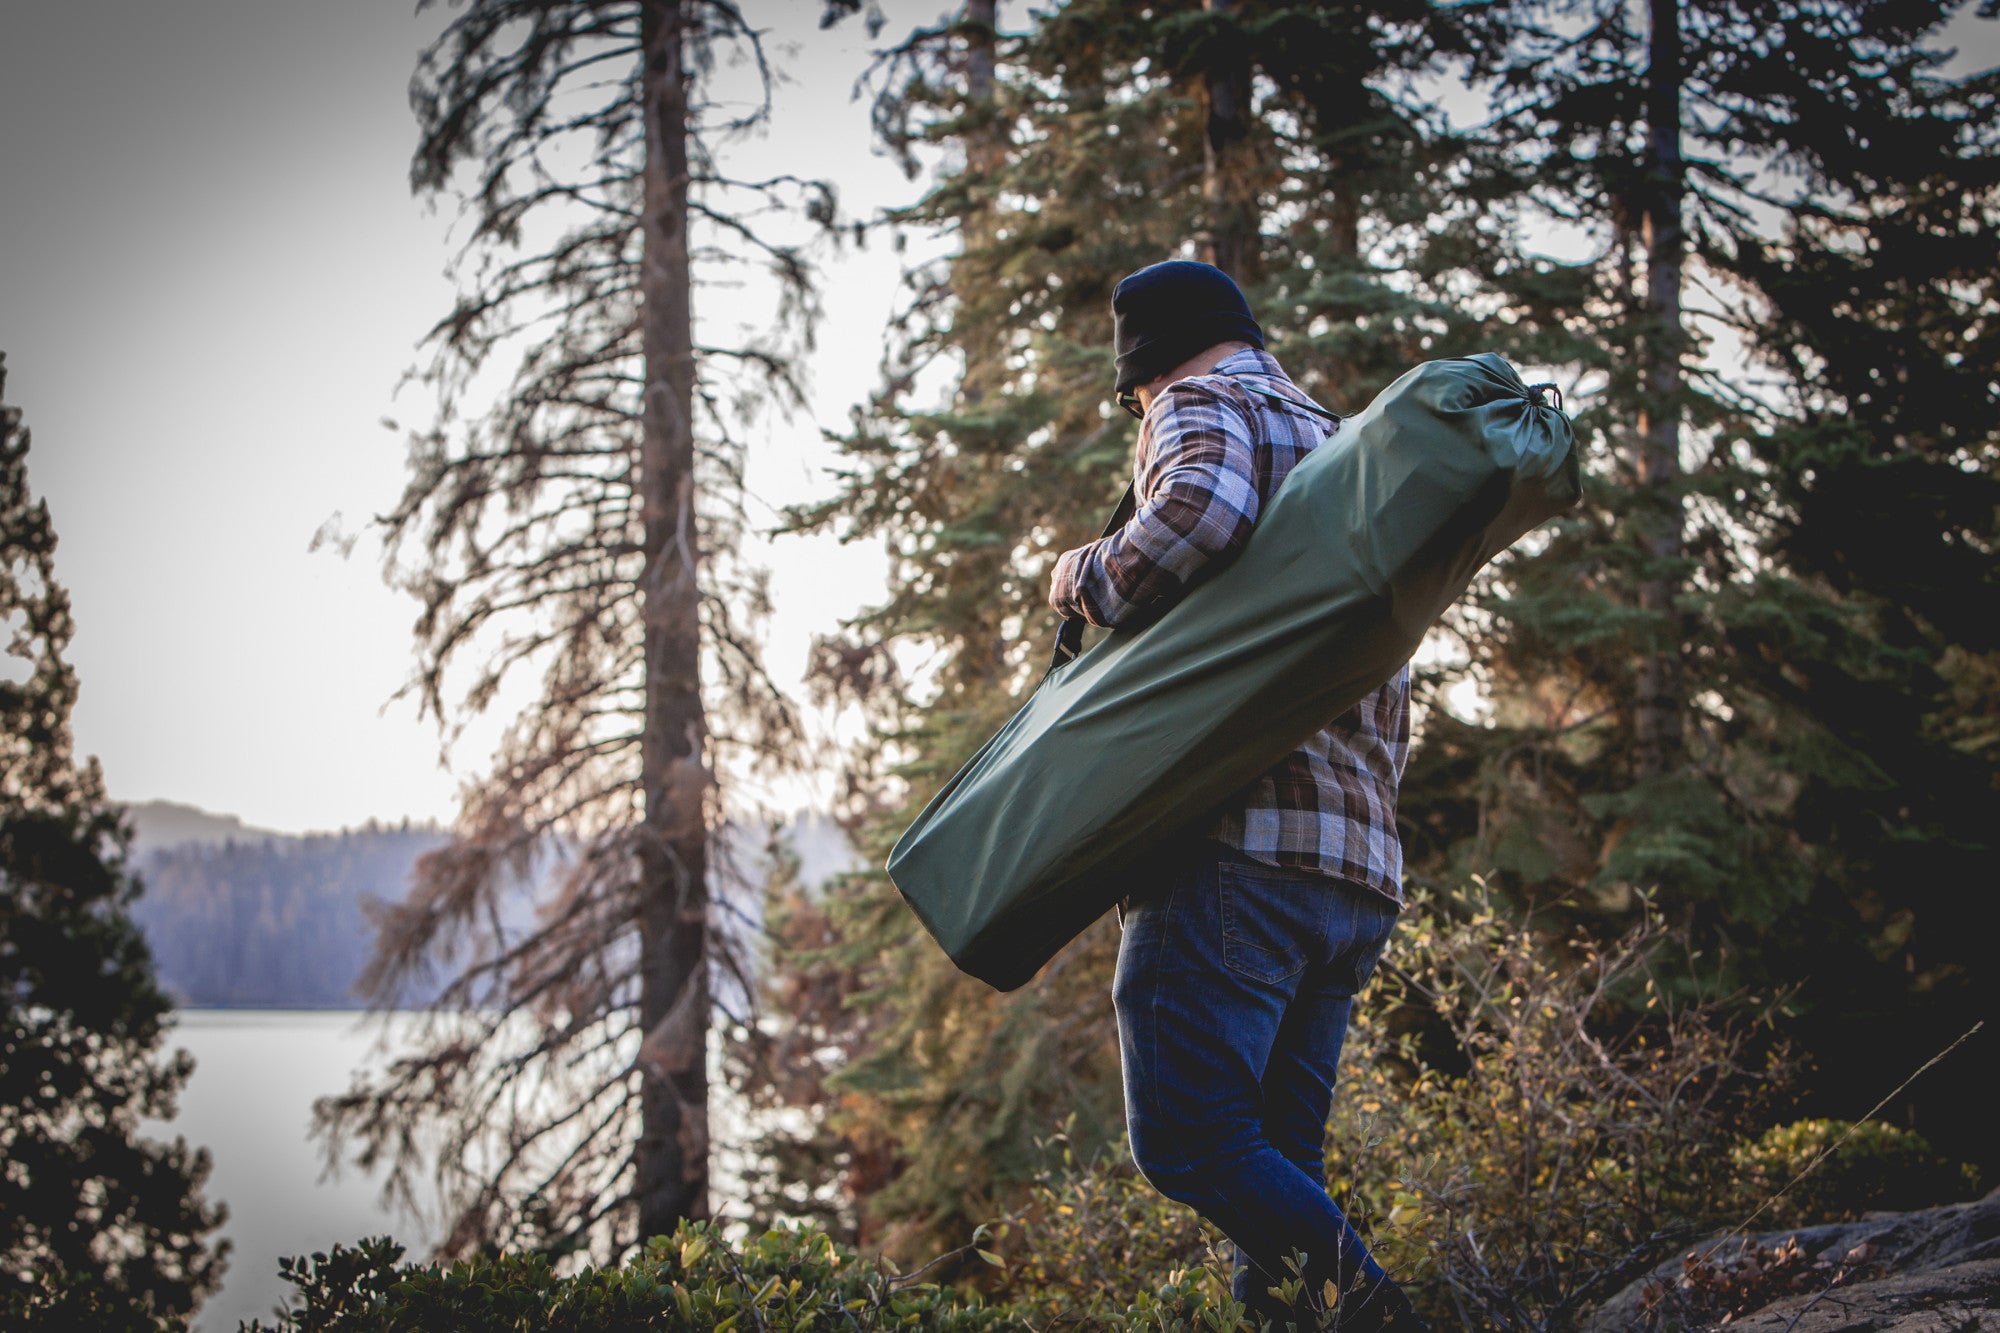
(212, 275)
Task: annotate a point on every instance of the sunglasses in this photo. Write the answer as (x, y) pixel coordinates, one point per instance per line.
(1130, 402)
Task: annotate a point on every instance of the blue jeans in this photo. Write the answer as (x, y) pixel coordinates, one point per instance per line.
(1234, 984)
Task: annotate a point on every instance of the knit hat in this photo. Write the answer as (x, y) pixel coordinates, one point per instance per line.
(1166, 313)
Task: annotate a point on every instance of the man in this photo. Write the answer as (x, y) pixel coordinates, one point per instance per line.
(1237, 970)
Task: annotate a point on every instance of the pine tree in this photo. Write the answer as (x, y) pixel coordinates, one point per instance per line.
(1778, 334)
(90, 1212)
(584, 530)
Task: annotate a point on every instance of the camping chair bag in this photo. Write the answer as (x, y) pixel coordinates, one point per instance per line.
(1372, 536)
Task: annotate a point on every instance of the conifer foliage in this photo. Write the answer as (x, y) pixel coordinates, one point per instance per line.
(1750, 680)
(91, 1214)
(1729, 682)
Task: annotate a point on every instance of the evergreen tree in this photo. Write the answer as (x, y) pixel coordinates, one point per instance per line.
(1729, 680)
(88, 1208)
(1714, 684)
(582, 530)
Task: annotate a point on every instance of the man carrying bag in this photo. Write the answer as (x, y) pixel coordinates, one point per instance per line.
(1240, 961)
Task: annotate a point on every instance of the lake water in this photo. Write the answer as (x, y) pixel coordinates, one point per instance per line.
(257, 1073)
(250, 1104)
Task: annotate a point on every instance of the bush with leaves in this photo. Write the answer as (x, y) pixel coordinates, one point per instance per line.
(1814, 1171)
(1522, 1126)
(1091, 1229)
(697, 1278)
(693, 1279)
(79, 1303)
(1531, 1123)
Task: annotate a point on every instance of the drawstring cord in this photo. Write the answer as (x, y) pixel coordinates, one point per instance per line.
(1556, 389)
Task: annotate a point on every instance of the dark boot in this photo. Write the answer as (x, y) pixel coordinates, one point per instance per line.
(1380, 1307)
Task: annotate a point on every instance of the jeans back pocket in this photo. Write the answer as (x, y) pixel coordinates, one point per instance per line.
(1272, 920)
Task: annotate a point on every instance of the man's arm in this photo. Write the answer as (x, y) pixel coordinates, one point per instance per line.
(1199, 502)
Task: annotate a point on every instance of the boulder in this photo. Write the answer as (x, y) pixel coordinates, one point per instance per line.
(1932, 1271)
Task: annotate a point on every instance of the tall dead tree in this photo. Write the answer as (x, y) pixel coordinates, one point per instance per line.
(580, 531)
(672, 1157)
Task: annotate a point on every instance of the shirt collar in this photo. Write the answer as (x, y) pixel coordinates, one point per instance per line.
(1249, 361)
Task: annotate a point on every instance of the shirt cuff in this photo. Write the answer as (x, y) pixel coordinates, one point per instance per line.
(1062, 585)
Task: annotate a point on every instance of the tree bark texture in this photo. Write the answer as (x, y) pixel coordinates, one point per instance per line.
(1228, 238)
(985, 150)
(672, 1155)
(1658, 707)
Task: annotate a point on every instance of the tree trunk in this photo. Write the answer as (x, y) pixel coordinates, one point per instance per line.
(1228, 240)
(985, 150)
(1657, 716)
(672, 1156)
(981, 16)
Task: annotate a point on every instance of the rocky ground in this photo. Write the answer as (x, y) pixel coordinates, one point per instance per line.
(1935, 1271)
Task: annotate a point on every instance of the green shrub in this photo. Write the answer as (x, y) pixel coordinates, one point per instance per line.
(694, 1279)
(791, 1280)
(1094, 1230)
(78, 1303)
(1867, 1166)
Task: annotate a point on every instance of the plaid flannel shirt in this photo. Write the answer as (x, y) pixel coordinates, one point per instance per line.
(1211, 454)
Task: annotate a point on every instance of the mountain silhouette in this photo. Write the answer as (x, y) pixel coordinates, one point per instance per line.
(246, 918)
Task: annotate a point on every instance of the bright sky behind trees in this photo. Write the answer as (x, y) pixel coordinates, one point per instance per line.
(212, 276)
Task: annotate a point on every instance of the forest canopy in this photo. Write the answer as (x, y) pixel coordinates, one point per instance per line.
(1740, 687)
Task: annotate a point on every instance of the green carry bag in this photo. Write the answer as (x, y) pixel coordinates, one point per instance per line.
(1372, 536)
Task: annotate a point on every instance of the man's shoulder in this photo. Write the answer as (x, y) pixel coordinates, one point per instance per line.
(1255, 389)
(1203, 407)
(1251, 379)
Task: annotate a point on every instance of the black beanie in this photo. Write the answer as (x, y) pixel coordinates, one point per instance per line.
(1166, 313)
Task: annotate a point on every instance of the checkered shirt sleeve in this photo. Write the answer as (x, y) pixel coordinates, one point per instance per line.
(1197, 483)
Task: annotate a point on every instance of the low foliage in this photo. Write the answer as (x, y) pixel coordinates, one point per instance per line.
(794, 1280)
(1866, 1167)
(79, 1303)
(1091, 1230)
(1532, 1124)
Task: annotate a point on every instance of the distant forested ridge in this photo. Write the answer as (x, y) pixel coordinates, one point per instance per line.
(246, 918)
(239, 918)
